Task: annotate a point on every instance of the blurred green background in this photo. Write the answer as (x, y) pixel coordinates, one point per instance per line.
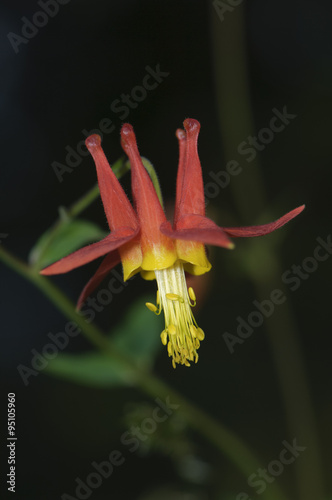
(230, 68)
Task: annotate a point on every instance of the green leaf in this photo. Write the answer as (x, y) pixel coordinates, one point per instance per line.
(70, 236)
(137, 338)
(91, 369)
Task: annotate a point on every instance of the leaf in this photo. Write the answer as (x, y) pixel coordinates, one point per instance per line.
(137, 338)
(91, 369)
(139, 335)
(70, 236)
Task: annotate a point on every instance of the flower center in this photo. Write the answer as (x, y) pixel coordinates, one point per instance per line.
(181, 335)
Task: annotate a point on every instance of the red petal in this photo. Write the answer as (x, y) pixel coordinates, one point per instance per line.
(149, 210)
(91, 252)
(110, 261)
(118, 209)
(250, 231)
(197, 228)
(189, 180)
(181, 135)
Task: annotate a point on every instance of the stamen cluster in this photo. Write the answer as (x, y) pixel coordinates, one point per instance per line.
(182, 335)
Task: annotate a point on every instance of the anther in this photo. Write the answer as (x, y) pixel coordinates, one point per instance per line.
(200, 334)
(151, 307)
(163, 337)
(192, 294)
(193, 331)
(171, 330)
(174, 297)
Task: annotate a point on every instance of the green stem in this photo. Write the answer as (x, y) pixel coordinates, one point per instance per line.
(120, 167)
(234, 109)
(154, 177)
(56, 297)
(236, 123)
(80, 205)
(217, 434)
(287, 353)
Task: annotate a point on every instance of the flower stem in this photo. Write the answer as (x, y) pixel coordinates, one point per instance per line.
(236, 123)
(217, 434)
(120, 167)
(76, 208)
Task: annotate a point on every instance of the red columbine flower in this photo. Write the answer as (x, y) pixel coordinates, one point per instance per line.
(144, 241)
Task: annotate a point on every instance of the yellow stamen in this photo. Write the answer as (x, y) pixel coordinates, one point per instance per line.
(192, 294)
(171, 330)
(163, 337)
(181, 334)
(156, 309)
(152, 307)
(200, 334)
(193, 330)
(174, 296)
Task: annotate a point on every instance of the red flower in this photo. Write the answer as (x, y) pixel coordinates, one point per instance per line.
(144, 241)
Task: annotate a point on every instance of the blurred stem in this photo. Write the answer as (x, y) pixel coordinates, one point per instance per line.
(218, 435)
(234, 110)
(56, 297)
(236, 124)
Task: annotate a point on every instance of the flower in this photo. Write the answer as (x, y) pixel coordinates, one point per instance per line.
(144, 241)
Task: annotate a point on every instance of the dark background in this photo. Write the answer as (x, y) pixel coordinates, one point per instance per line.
(64, 80)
